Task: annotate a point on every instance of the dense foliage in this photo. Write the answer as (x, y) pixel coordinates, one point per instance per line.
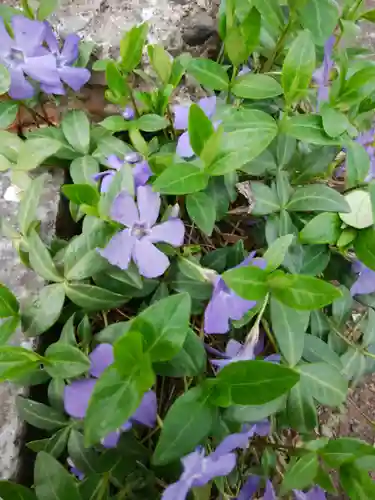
(221, 287)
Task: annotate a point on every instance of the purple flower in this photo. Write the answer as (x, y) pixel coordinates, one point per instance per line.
(249, 488)
(141, 170)
(226, 305)
(181, 120)
(200, 470)
(24, 55)
(316, 493)
(244, 70)
(128, 113)
(269, 492)
(77, 396)
(322, 74)
(366, 280)
(137, 240)
(235, 351)
(73, 469)
(74, 77)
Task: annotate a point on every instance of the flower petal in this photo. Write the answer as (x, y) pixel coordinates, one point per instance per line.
(50, 38)
(111, 441)
(42, 69)
(75, 78)
(100, 358)
(148, 205)
(77, 396)
(181, 117)
(172, 231)
(151, 262)
(20, 88)
(233, 348)
(238, 307)
(269, 493)
(216, 468)
(114, 162)
(176, 491)
(365, 283)
(231, 443)
(216, 315)
(119, 250)
(146, 411)
(125, 210)
(28, 34)
(53, 89)
(70, 49)
(208, 104)
(141, 173)
(184, 148)
(106, 182)
(249, 489)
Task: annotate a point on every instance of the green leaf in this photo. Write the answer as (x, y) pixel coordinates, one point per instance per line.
(181, 178)
(76, 128)
(345, 450)
(10, 145)
(320, 17)
(324, 382)
(151, 123)
(16, 362)
(5, 164)
(200, 128)
(83, 169)
(256, 86)
(188, 423)
(286, 147)
(271, 13)
(254, 413)
(40, 415)
(5, 79)
(170, 320)
(8, 303)
(93, 298)
(335, 123)
(360, 215)
(302, 292)
(235, 45)
(40, 258)
(342, 308)
(316, 350)
(249, 282)
(301, 411)
(85, 459)
(209, 73)
(202, 211)
(189, 362)
(251, 28)
(116, 124)
(8, 111)
(34, 152)
(256, 382)
(266, 199)
(301, 474)
(325, 228)
(317, 197)
(289, 326)
(54, 446)
(264, 163)
(81, 194)
(44, 311)
(7, 329)
(357, 484)
(276, 252)
(364, 246)
(12, 491)
(160, 61)
(131, 47)
(298, 67)
(46, 8)
(53, 481)
(307, 128)
(29, 203)
(65, 361)
(357, 164)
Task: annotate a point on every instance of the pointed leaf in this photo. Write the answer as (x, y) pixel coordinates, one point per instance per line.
(41, 260)
(53, 481)
(76, 128)
(202, 211)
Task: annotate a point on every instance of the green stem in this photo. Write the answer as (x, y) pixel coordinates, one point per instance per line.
(132, 98)
(234, 74)
(278, 47)
(170, 117)
(353, 11)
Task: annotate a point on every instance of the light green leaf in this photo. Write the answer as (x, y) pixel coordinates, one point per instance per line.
(41, 260)
(360, 215)
(8, 303)
(324, 382)
(160, 61)
(249, 282)
(181, 178)
(5, 164)
(151, 123)
(256, 86)
(325, 228)
(131, 47)
(209, 73)
(357, 164)
(76, 128)
(301, 474)
(289, 326)
(254, 413)
(301, 410)
(46, 8)
(16, 362)
(7, 329)
(315, 350)
(320, 17)
(307, 128)
(83, 169)
(364, 246)
(357, 484)
(335, 123)
(276, 252)
(8, 111)
(200, 128)
(52, 480)
(65, 361)
(317, 197)
(202, 211)
(34, 152)
(29, 203)
(345, 450)
(10, 145)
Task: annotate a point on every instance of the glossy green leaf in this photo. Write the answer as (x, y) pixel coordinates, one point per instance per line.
(235, 46)
(34, 152)
(44, 311)
(200, 128)
(302, 292)
(202, 211)
(8, 111)
(41, 260)
(307, 128)
(160, 61)
(360, 215)
(52, 480)
(187, 423)
(276, 252)
(320, 17)
(325, 228)
(83, 169)
(10, 145)
(8, 303)
(55, 445)
(249, 282)
(81, 194)
(364, 246)
(289, 327)
(76, 128)
(298, 67)
(256, 86)
(29, 203)
(254, 413)
(209, 73)
(256, 382)
(324, 382)
(181, 178)
(131, 47)
(93, 298)
(317, 197)
(7, 329)
(335, 123)
(40, 415)
(301, 474)
(65, 361)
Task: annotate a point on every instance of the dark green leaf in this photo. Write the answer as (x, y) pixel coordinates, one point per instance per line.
(151, 123)
(209, 73)
(289, 326)
(53, 481)
(131, 47)
(345, 450)
(302, 292)
(200, 128)
(83, 169)
(301, 411)
(307, 128)
(316, 350)
(56, 390)
(356, 483)
(41, 260)
(364, 246)
(12, 491)
(76, 128)
(65, 361)
(301, 474)
(286, 147)
(249, 282)
(266, 199)
(320, 17)
(8, 111)
(40, 415)
(202, 211)
(8, 303)
(298, 67)
(315, 259)
(93, 298)
(43, 312)
(254, 413)
(187, 424)
(324, 382)
(85, 459)
(256, 86)
(256, 382)
(181, 178)
(324, 228)
(317, 197)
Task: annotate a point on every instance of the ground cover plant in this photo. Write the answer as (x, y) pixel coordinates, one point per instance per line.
(220, 289)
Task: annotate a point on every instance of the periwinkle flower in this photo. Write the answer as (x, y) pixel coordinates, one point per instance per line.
(249, 489)
(128, 113)
(137, 240)
(77, 396)
(322, 75)
(74, 77)
(225, 304)
(74, 470)
(140, 169)
(235, 351)
(365, 282)
(181, 121)
(315, 493)
(200, 470)
(25, 55)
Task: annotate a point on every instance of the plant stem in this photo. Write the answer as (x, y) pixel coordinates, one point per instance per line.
(234, 74)
(36, 115)
(353, 11)
(278, 47)
(349, 342)
(170, 117)
(132, 98)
